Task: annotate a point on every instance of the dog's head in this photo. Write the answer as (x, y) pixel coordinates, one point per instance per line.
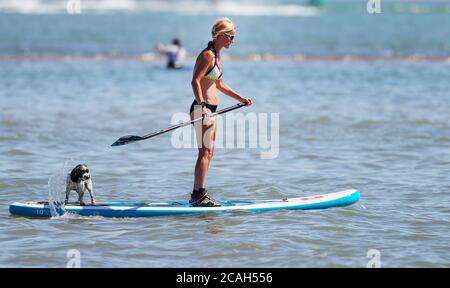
(80, 173)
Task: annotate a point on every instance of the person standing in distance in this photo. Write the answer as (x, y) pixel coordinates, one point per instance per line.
(175, 53)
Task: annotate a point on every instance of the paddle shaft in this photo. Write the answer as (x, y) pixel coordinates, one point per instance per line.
(171, 128)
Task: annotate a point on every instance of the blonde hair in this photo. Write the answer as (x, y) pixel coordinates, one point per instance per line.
(222, 25)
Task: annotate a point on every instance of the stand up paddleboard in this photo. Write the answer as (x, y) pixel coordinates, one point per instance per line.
(141, 209)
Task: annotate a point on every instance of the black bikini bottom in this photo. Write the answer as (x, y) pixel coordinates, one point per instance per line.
(213, 108)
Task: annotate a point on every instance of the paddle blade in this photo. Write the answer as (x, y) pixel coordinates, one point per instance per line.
(126, 140)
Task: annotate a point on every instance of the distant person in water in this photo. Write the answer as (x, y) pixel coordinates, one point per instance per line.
(175, 53)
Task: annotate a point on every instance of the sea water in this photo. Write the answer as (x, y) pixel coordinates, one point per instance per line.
(363, 102)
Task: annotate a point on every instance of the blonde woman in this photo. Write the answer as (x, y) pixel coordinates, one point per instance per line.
(206, 80)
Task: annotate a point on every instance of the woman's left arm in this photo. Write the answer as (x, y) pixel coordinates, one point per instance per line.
(225, 89)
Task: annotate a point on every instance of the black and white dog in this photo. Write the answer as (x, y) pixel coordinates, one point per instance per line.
(80, 181)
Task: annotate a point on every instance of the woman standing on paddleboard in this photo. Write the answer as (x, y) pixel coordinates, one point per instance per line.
(207, 78)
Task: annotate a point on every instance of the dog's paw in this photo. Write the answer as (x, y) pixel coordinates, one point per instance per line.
(82, 203)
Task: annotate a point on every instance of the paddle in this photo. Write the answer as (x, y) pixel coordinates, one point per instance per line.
(133, 138)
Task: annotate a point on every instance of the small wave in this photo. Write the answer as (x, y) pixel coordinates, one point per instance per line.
(18, 152)
(444, 139)
(178, 7)
(11, 122)
(76, 217)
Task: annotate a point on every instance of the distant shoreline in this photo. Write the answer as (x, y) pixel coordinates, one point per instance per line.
(256, 57)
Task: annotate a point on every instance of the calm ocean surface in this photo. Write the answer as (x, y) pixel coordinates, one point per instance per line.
(363, 102)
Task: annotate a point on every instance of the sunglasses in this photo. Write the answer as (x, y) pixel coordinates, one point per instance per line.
(231, 37)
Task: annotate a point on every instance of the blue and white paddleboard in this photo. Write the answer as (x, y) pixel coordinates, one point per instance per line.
(142, 209)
